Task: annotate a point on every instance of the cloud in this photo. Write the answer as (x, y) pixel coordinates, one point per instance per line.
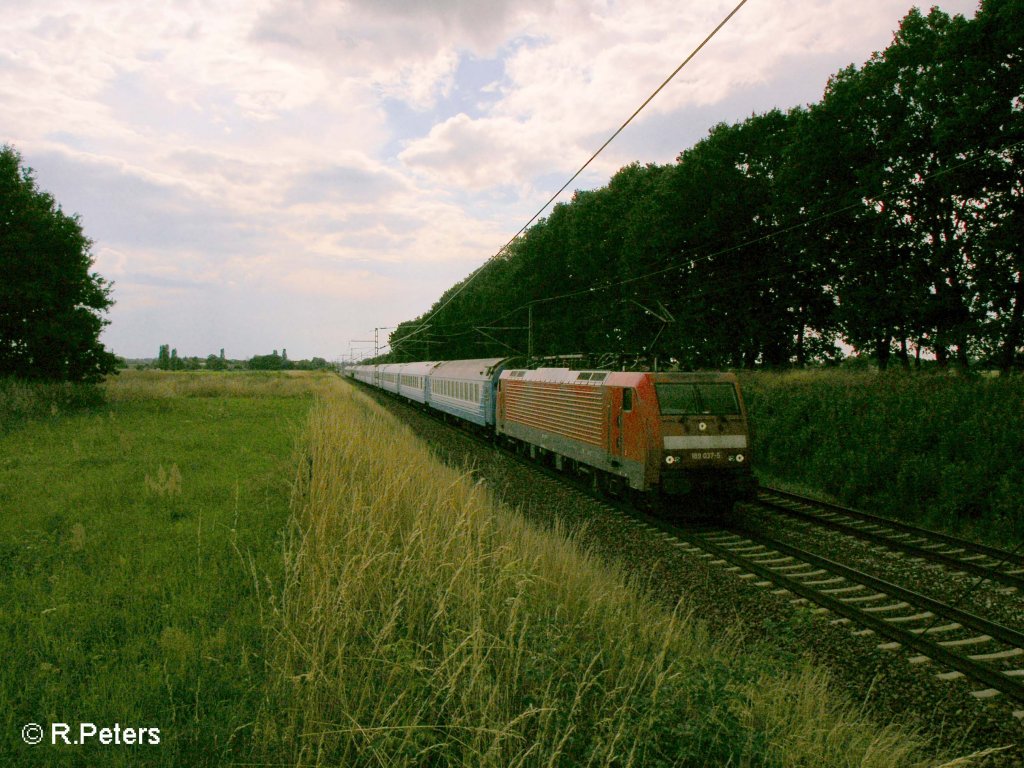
(240, 164)
(125, 206)
(357, 182)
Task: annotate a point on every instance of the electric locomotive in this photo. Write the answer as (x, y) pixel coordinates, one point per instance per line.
(652, 435)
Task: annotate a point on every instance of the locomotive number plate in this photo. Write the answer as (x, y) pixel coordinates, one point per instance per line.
(705, 455)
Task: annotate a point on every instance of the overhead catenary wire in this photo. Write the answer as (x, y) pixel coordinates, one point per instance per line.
(475, 273)
(470, 326)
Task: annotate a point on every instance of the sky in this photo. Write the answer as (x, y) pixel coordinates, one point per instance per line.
(259, 175)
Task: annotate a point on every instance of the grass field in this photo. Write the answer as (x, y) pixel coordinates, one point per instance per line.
(273, 571)
(133, 540)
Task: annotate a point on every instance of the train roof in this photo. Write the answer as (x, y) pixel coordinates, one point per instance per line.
(473, 370)
(569, 376)
(419, 369)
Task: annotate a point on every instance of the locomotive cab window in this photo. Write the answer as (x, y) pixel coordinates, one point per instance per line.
(696, 399)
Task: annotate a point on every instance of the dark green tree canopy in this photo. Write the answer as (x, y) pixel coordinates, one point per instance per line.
(888, 216)
(51, 305)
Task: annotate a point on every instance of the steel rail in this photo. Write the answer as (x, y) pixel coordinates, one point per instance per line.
(969, 667)
(1002, 555)
(985, 626)
(951, 561)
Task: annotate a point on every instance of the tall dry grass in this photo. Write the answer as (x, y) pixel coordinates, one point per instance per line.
(21, 400)
(422, 624)
(141, 386)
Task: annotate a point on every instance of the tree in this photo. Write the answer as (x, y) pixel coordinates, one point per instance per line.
(272, 362)
(51, 305)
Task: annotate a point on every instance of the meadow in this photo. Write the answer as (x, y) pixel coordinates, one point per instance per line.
(943, 451)
(137, 543)
(273, 571)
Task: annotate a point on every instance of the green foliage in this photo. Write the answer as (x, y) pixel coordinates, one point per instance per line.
(942, 450)
(51, 305)
(272, 362)
(276, 362)
(888, 215)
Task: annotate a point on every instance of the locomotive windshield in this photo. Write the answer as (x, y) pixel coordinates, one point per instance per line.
(693, 399)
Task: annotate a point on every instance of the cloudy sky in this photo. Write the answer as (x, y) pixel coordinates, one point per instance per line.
(267, 174)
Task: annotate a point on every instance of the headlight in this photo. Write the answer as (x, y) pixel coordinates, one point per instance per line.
(670, 459)
(739, 458)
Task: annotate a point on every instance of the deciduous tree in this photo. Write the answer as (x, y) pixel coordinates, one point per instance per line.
(51, 304)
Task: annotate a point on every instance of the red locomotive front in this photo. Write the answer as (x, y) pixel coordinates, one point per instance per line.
(705, 439)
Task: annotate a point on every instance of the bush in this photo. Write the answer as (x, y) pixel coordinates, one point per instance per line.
(936, 449)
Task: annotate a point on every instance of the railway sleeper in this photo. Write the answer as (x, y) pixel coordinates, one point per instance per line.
(985, 693)
(774, 560)
(913, 617)
(805, 574)
(882, 608)
(822, 582)
(748, 549)
(996, 655)
(976, 640)
(843, 590)
(865, 598)
(789, 569)
(937, 630)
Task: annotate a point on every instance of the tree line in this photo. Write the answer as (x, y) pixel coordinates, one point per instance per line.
(887, 217)
(168, 360)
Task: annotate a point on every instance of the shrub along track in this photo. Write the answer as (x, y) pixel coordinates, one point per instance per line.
(729, 601)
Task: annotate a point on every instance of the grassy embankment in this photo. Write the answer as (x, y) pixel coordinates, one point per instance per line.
(941, 451)
(129, 538)
(406, 621)
(422, 624)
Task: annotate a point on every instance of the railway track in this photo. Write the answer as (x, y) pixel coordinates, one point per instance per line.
(959, 644)
(987, 563)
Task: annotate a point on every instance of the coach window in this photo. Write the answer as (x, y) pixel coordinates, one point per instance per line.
(627, 399)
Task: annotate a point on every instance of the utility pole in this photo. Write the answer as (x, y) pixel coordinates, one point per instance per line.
(529, 332)
(376, 336)
(359, 341)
